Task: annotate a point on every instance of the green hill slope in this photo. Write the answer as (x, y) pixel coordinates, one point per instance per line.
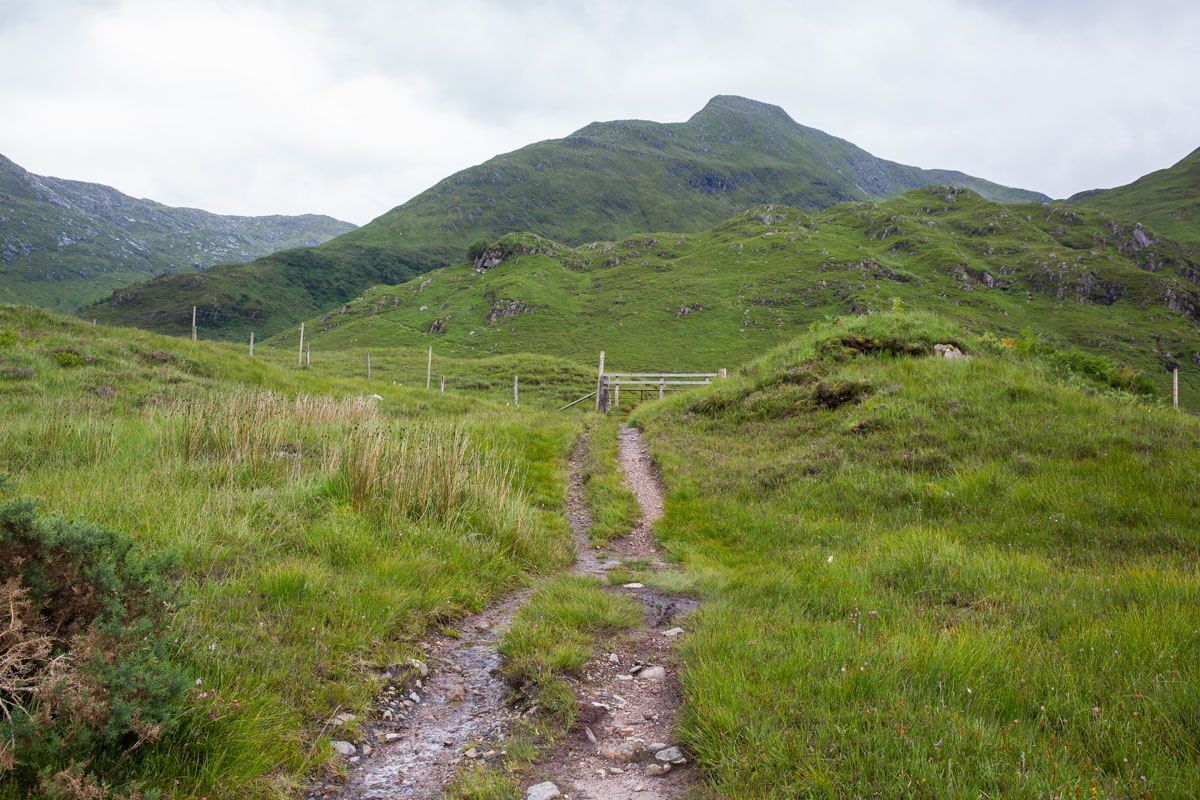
(605, 181)
(715, 299)
(932, 578)
(64, 244)
(313, 530)
(1167, 200)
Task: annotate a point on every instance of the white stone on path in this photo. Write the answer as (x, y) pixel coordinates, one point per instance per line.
(344, 748)
(673, 632)
(653, 674)
(633, 586)
(542, 791)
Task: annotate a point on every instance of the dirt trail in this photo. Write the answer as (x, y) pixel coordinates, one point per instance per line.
(628, 718)
(459, 710)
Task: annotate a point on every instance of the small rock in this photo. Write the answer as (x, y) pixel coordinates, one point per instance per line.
(622, 752)
(634, 586)
(367, 749)
(590, 735)
(657, 769)
(673, 632)
(670, 755)
(948, 351)
(391, 737)
(471, 753)
(344, 748)
(456, 693)
(416, 698)
(656, 746)
(542, 791)
(615, 771)
(614, 658)
(653, 674)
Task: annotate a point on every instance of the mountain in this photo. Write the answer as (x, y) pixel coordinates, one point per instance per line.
(605, 181)
(67, 243)
(682, 302)
(1168, 200)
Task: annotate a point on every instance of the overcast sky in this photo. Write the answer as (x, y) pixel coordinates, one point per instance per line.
(350, 108)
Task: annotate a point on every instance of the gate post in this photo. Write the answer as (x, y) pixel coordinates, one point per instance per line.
(602, 395)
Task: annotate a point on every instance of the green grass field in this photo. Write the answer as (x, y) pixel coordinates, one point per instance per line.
(317, 534)
(719, 298)
(933, 578)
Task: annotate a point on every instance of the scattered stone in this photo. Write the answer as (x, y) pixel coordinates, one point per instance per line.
(416, 698)
(614, 658)
(344, 748)
(471, 753)
(456, 693)
(637, 667)
(615, 771)
(653, 674)
(657, 769)
(542, 791)
(634, 586)
(392, 737)
(673, 632)
(367, 749)
(656, 746)
(670, 755)
(590, 735)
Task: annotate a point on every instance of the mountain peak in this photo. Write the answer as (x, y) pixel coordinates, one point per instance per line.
(727, 105)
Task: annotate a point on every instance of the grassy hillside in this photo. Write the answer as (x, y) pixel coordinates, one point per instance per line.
(930, 578)
(605, 181)
(718, 298)
(304, 536)
(1167, 201)
(64, 244)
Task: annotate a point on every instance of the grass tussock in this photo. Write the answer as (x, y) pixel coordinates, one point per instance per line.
(613, 507)
(554, 635)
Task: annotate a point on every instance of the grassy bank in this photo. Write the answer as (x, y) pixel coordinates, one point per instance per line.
(934, 578)
(317, 534)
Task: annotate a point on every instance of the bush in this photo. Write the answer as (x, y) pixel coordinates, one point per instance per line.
(84, 677)
(476, 250)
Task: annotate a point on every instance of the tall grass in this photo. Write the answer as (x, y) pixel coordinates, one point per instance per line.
(319, 534)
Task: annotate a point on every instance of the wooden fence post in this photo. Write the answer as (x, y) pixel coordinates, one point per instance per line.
(252, 344)
(193, 323)
(308, 356)
(599, 381)
(722, 373)
(300, 358)
(1175, 388)
(602, 395)
(443, 383)
(368, 366)
(616, 392)
(429, 370)
(662, 387)
(516, 392)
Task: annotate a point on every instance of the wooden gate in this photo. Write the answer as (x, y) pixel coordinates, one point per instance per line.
(608, 392)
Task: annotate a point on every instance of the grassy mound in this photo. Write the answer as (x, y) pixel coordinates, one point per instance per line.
(929, 577)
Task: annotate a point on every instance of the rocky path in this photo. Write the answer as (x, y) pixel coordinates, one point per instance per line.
(629, 695)
(455, 709)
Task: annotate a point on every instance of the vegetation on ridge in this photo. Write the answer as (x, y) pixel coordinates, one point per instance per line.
(715, 299)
